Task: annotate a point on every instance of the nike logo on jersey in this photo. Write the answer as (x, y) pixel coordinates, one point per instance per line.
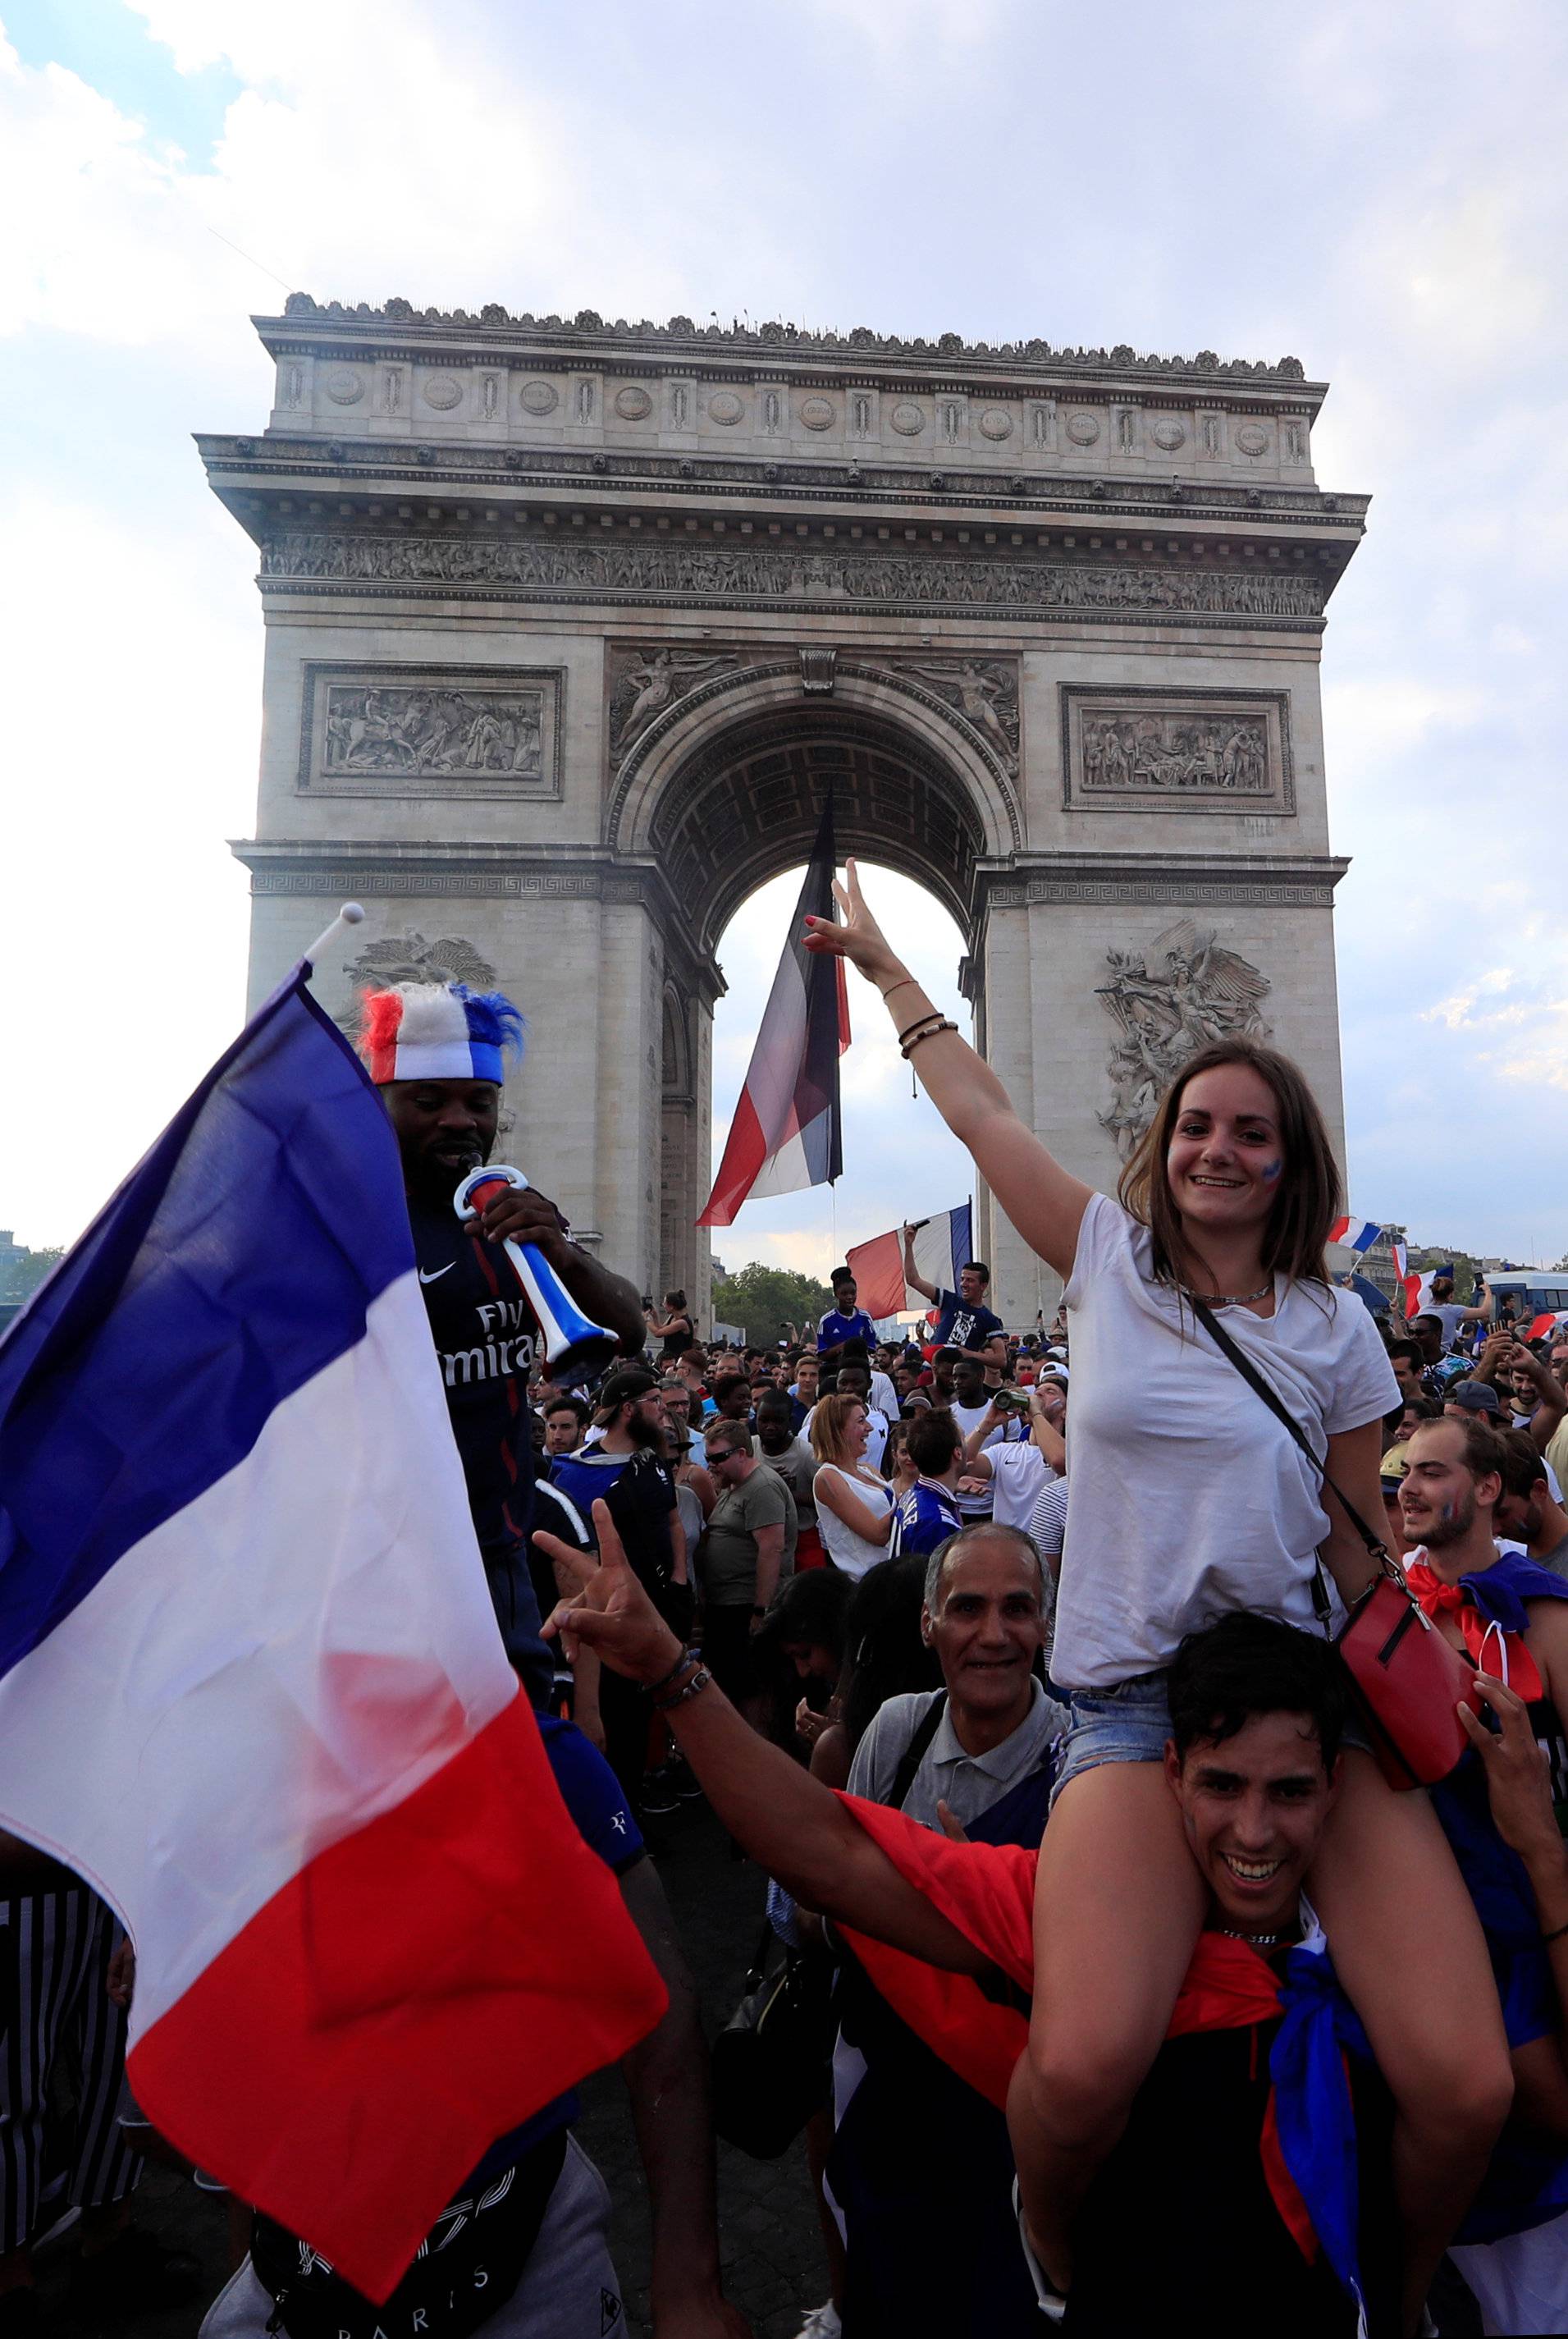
(436, 1273)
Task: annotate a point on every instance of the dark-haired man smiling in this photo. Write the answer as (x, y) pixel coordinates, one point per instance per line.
(1220, 2148)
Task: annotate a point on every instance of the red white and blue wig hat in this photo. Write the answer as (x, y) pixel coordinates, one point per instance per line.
(438, 1032)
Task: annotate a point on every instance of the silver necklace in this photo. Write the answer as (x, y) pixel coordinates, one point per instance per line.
(1255, 1940)
(1230, 1299)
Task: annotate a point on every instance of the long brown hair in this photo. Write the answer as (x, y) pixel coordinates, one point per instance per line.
(1310, 1197)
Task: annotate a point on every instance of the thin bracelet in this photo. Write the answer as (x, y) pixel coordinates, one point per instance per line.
(1555, 1936)
(686, 1657)
(919, 1019)
(899, 984)
(701, 1680)
(930, 1033)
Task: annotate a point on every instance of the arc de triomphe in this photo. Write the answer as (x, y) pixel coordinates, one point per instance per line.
(570, 626)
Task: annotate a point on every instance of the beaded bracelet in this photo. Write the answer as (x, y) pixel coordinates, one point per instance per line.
(930, 1033)
(925, 1018)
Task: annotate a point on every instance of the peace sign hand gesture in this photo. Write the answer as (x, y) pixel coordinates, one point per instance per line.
(608, 1611)
(860, 939)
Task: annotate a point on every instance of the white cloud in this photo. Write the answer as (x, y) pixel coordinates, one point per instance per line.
(628, 160)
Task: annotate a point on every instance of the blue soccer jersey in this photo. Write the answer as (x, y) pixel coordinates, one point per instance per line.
(835, 1328)
(927, 1515)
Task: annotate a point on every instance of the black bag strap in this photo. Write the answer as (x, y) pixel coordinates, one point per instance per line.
(1377, 1547)
(758, 1966)
(915, 1753)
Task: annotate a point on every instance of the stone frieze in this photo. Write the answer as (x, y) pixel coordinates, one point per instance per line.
(869, 579)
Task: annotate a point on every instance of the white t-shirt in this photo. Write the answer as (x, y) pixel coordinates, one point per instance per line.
(1019, 1477)
(850, 1553)
(1189, 1497)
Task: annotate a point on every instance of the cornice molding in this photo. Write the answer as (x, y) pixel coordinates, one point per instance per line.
(1251, 881)
(316, 462)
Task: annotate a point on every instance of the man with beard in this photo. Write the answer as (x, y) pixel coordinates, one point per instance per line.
(1507, 1610)
(436, 1052)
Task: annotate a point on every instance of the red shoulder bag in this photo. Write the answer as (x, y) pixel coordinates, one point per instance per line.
(1409, 1680)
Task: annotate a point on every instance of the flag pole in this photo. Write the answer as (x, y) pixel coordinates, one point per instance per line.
(350, 914)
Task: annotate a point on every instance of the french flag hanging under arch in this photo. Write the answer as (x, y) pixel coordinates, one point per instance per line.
(787, 1130)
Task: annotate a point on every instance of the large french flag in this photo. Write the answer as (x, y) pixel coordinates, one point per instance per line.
(252, 1687)
(787, 1132)
(941, 1245)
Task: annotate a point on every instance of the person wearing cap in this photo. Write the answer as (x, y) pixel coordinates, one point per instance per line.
(1474, 1396)
(438, 1053)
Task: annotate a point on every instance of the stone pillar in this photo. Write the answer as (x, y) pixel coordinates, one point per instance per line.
(630, 1011)
(1005, 1033)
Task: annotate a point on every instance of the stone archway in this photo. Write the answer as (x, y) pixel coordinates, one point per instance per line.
(571, 626)
(730, 793)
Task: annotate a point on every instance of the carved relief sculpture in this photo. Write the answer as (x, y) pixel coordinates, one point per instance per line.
(1168, 1002)
(1148, 750)
(409, 957)
(651, 681)
(391, 731)
(985, 694)
(683, 572)
(1175, 751)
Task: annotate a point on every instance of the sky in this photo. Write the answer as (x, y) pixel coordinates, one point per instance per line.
(1379, 192)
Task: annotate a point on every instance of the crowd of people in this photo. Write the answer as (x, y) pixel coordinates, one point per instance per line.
(1131, 1994)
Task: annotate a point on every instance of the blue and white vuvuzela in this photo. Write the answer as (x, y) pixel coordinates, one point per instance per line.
(573, 1341)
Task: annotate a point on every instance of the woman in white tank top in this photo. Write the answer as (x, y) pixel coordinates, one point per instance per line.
(854, 1505)
(1188, 1498)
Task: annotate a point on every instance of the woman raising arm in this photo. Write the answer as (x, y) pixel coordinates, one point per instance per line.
(1189, 1498)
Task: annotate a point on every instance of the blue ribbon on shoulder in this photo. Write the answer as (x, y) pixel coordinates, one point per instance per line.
(1500, 1590)
(1313, 2108)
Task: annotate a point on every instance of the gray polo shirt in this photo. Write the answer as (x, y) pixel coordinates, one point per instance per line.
(968, 1783)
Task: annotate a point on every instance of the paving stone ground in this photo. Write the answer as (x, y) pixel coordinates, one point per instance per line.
(770, 2246)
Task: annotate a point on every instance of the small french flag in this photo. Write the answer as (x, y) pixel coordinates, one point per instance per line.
(1542, 1325)
(1356, 1234)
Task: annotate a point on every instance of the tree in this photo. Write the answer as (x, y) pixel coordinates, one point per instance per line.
(760, 1298)
(25, 1270)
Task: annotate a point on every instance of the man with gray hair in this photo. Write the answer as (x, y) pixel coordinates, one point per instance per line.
(989, 1730)
(977, 1754)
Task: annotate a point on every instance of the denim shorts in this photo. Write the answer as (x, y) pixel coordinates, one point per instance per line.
(1130, 1722)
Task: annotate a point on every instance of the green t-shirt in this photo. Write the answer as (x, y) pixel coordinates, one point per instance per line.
(729, 1557)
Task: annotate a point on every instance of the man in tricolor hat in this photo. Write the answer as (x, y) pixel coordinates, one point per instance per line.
(437, 1052)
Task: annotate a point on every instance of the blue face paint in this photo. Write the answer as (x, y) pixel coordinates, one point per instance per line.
(1271, 1171)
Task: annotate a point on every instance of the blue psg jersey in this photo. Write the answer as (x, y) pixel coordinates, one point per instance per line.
(835, 1328)
(927, 1515)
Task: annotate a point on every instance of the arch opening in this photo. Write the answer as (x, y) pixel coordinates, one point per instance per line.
(728, 806)
(899, 1160)
(748, 806)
